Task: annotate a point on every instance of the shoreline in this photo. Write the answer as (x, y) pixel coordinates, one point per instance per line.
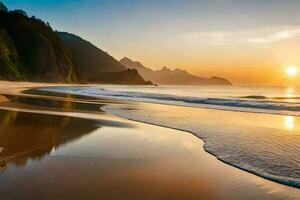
(289, 181)
(206, 150)
(138, 115)
(247, 179)
(212, 106)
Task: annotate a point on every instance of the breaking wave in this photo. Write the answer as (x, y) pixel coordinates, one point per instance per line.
(250, 103)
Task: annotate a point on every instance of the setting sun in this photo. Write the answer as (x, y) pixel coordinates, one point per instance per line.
(195, 99)
(291, 70)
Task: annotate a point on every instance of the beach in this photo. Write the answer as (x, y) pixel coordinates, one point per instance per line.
(70, 146)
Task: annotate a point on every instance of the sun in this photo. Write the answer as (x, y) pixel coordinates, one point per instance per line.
(291, 70)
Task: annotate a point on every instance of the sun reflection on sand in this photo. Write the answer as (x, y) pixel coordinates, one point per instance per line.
(289, 122)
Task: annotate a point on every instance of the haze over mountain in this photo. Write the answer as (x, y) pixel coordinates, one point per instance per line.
(167, 76)
(96, 65)
(31, 51)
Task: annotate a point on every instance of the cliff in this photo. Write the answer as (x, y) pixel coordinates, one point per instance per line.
(97, 66)
(30, 50)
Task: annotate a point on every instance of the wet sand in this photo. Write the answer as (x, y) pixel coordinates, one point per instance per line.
(65, 147)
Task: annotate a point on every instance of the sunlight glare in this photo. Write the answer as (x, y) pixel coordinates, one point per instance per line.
(291, 70)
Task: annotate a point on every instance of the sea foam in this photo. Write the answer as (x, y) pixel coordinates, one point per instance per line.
(257, 143)
(251, 103)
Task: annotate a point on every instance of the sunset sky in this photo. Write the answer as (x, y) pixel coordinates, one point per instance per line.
(246, 41)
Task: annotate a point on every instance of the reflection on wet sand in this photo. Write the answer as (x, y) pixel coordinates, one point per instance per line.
(64, 104)
(66, 96)
(32, 136)
(54, 156)
(29, 136)
(54, 101)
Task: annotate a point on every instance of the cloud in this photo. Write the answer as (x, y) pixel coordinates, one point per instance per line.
(258, 36)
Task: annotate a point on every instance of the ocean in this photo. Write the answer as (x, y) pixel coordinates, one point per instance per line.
(252, 128)
(276, 100)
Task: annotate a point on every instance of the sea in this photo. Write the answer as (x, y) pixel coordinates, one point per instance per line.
(255, 129)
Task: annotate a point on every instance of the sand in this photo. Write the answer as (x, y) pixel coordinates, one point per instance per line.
(56, 147)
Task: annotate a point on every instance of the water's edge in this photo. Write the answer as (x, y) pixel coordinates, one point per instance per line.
(253, 169)
(252, 103)
(269, 177)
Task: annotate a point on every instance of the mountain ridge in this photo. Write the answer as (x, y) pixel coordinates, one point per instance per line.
(31, 51)
(166, 76)
(97, 66)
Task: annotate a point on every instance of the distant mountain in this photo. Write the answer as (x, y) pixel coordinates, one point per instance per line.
(128, 77)
(30, 50)
(166, 76)
(96, 65)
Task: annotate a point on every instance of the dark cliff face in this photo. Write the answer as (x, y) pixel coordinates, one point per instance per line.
(91, 60)
(96, 66)
(30, 50)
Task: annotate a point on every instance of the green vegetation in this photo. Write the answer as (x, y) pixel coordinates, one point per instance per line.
(10, 67)
(31, 50)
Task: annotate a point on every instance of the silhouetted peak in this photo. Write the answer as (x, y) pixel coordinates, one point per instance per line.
(126, 59)
(68, 36)
(177, 70)
(133, 64)
(129, 61)
(165, 69)
(166, 75)
(220, 80)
